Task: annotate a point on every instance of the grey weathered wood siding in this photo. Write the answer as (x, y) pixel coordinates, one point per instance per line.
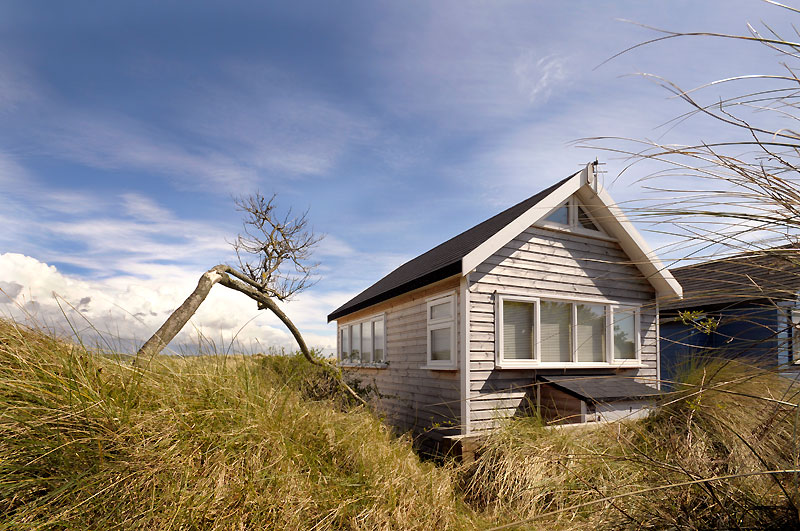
(414, 398)
(541, 262)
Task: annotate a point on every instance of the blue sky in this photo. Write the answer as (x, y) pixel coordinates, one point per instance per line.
(126, 129)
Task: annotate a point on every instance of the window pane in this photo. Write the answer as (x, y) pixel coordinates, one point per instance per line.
(344, 344)
(585, 221)
(378, 333)
(440, 344)
(624, 334)
(440, 311)
(518, 330)
(366, 342)
(355, 337)
(560, 215)
(556, 339)
(591, 330)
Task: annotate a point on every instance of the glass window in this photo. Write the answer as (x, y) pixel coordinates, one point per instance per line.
(567, 332)
(440, 311)
(366, 342)
(584, 220)
(362, 343)
(441, 326)
(624, 333)
(518, 332)
(591, 332)
(355, 337)
(560, 215)
(344, 344)
(440, 344)
(378, 336)
(556, 337)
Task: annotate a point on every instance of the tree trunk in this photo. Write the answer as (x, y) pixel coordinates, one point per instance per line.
(266, 302)
(219, 273)
(179, 317)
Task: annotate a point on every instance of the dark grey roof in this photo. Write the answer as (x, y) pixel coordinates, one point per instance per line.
(602, 388)
(441, 262)
(764, 274)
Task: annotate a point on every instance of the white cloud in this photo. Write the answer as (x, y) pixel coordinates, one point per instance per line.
(539, 76)
(126, 311)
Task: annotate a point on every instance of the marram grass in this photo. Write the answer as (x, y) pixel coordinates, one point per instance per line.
(268, 442)
(86, 442)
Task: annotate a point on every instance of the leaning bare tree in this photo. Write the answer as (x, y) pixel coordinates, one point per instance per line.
(274, 264)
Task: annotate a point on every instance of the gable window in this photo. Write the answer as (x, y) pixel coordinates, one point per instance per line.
(441, 316)
(363, 342)
(572, 215)
(532, 331)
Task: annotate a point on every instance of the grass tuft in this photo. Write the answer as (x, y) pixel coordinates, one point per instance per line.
(254, 442)
(208, 442)
(698, 463)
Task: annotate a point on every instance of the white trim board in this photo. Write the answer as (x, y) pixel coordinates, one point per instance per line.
(614, 222)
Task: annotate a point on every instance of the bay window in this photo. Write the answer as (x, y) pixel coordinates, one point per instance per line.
(532, 331)
(363, 342)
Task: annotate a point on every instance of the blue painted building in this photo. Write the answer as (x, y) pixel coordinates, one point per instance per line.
(744, 307)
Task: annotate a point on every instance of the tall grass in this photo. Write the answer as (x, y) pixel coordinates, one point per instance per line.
(86, 441)
(216, 442)
(701, 462)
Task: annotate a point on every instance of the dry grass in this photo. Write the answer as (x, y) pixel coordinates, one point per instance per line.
(197, 443)
(258, 442)
(732, 421)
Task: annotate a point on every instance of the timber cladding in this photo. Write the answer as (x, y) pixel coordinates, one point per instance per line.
(413, 398)
(528, 257)
(541, 262)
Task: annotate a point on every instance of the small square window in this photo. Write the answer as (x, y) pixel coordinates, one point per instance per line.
(440, 311)
(441, 332)
(560, 215)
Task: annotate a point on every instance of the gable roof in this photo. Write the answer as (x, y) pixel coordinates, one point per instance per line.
(763, 274)
(462, 253)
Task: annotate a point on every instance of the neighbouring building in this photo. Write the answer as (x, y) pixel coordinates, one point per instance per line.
(742, 307)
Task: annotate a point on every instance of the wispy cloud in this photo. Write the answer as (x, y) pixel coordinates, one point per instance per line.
(539, 76)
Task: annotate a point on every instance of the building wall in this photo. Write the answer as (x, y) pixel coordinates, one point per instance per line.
(753, 332)
(541, 262)
(415, 399)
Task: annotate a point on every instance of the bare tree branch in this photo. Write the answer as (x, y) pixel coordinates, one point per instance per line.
(274, 255)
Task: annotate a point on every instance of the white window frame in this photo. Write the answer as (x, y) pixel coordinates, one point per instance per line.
(441, 324)
(610, 361)
(346, 329)
(573, 225)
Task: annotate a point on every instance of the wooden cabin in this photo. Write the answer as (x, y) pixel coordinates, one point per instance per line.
(744, 307)
(535, 309)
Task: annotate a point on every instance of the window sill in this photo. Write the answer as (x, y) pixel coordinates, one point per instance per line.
(627, 364)
(439, 367)
(364, 365)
